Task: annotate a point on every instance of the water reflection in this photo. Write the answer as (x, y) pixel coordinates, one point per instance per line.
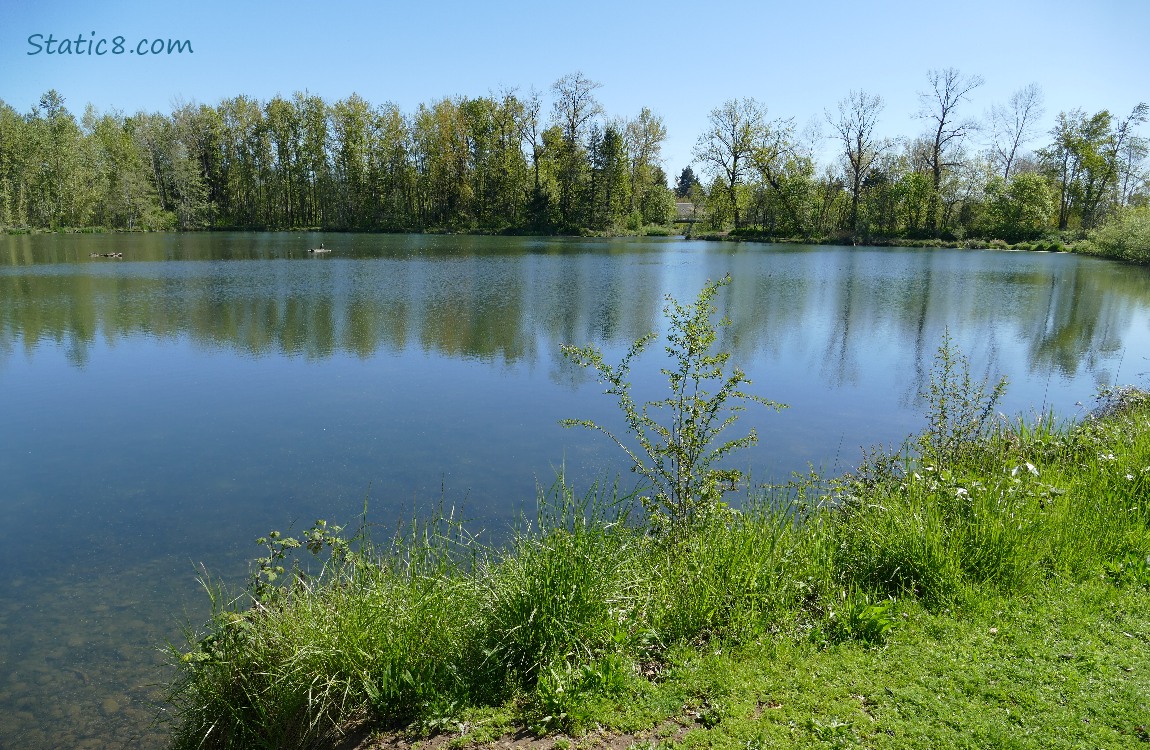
(496, 299)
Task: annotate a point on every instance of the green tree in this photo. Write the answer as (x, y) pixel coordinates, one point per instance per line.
(658, 204)
(442, 162)
(785, 173)
(126, 194)
(643, 137)
(685, 182)
(15, 153)
(353, 131)
(284, 132)
(1019, 209)
(200, 130)
(882, 194)
(392, 176)
(59, 174)
(245, 162)
(1086, 161)
(574, 108)
(1076, 162)
(314, 176)
(610, 196)
(510, 165)
(735, 131)
(175, 172)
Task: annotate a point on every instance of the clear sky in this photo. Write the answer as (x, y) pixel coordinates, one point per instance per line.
(680, 59)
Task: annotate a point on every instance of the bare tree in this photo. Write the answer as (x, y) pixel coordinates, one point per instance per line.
(949, 88)
(1128, 151)
(575, 104)
(1132, 174)
(854, 125)
(529, 130)
(1013, 124)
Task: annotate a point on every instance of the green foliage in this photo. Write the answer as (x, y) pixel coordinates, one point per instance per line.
(723, 578)
(269, 568)
(678, 453)
(1126, 236)
(859, 617)
(567, 694)
(1088, 159)
(1133, 570)
(960, 410)
(1020, 209)
(496, 164)
(833, 731)
(269, 579)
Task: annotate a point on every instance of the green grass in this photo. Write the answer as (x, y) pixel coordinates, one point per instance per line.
(997, 598)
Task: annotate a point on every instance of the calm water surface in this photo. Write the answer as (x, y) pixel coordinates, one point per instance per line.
(159, 412)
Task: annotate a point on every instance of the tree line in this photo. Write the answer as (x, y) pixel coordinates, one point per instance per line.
(504, 162)
(960, 177)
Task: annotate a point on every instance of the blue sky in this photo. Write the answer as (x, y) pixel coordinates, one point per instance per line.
(680, 59)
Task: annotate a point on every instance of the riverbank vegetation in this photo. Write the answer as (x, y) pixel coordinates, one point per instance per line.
(986, 584)
(558, 163)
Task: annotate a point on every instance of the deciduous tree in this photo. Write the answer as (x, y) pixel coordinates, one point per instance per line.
(854, 124)
(948, 90)
(574, 108)
(1012, 125)
(643, 137)
(735, 130)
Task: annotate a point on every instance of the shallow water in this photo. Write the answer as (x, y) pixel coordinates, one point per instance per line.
(159, 412)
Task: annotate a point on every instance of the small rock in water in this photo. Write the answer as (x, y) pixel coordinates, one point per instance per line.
(109, 706)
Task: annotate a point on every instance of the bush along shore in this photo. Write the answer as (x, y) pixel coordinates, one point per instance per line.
(986, 585)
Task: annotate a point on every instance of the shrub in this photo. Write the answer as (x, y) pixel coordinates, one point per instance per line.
(1126, 236)
(960, 410)
(678, 455)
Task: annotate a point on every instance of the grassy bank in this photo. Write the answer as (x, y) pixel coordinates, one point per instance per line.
(992, 591)
(634, 615)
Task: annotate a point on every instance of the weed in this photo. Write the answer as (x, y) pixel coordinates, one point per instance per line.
(837, 733)
(439, 715)
(1133, 570)
(710, 714)
(562, 700)
(269, 568)
(861, 618)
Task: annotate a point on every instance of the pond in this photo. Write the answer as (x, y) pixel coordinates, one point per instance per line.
(160, 411)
